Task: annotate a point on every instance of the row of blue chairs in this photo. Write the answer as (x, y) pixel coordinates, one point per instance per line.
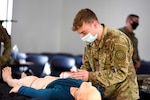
(144, 68)
(56, 63)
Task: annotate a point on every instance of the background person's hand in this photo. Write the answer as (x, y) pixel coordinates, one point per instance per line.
(138, 64)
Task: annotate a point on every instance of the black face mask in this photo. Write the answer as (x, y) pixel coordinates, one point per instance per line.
(134, 25)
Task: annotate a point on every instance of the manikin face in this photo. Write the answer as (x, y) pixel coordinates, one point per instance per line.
(85, 92)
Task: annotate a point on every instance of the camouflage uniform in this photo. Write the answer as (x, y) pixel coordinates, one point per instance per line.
(134, 40)
(6, 39)
(110, 66)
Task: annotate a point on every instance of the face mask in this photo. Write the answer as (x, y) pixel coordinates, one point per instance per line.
(134, 25)
(89, 38)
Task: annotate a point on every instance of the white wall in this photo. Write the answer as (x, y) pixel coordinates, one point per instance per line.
(39, 25)
(45, 25)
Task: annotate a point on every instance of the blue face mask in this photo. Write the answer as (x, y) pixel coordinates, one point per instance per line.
(89, 38)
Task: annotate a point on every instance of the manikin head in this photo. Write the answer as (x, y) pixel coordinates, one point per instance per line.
(85, 92)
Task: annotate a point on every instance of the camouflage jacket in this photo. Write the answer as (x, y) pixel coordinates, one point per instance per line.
(6, 40)
(110, 65)
(134, 40)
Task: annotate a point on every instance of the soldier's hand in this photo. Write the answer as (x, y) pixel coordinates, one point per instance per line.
(80, 74)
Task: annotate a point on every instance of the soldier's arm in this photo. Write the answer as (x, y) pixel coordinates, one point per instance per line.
(85, 61)
(6, 39)
(118, 69)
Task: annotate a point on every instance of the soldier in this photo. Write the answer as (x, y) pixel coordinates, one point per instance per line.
(132, 22)
(6, 53)
(107, 60)
(6, 40)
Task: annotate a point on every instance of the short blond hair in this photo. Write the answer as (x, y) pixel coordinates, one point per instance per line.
(84, 15)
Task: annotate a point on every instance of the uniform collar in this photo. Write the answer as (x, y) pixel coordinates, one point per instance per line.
(100, 42)
(102, 37)
(130, 33)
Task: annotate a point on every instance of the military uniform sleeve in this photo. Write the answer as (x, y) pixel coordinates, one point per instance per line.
(116, 69)
(136, 56)
(6, 39)
(86, 61)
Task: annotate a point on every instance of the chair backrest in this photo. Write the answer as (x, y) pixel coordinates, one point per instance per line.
(61, 63)
(78, 60)
(15, 62)
(51, 55)
(38, 61)
(144, 68)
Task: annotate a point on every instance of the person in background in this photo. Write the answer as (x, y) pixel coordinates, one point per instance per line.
(50, 88)
(107, 59)
(132, 22)
(5, 38)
